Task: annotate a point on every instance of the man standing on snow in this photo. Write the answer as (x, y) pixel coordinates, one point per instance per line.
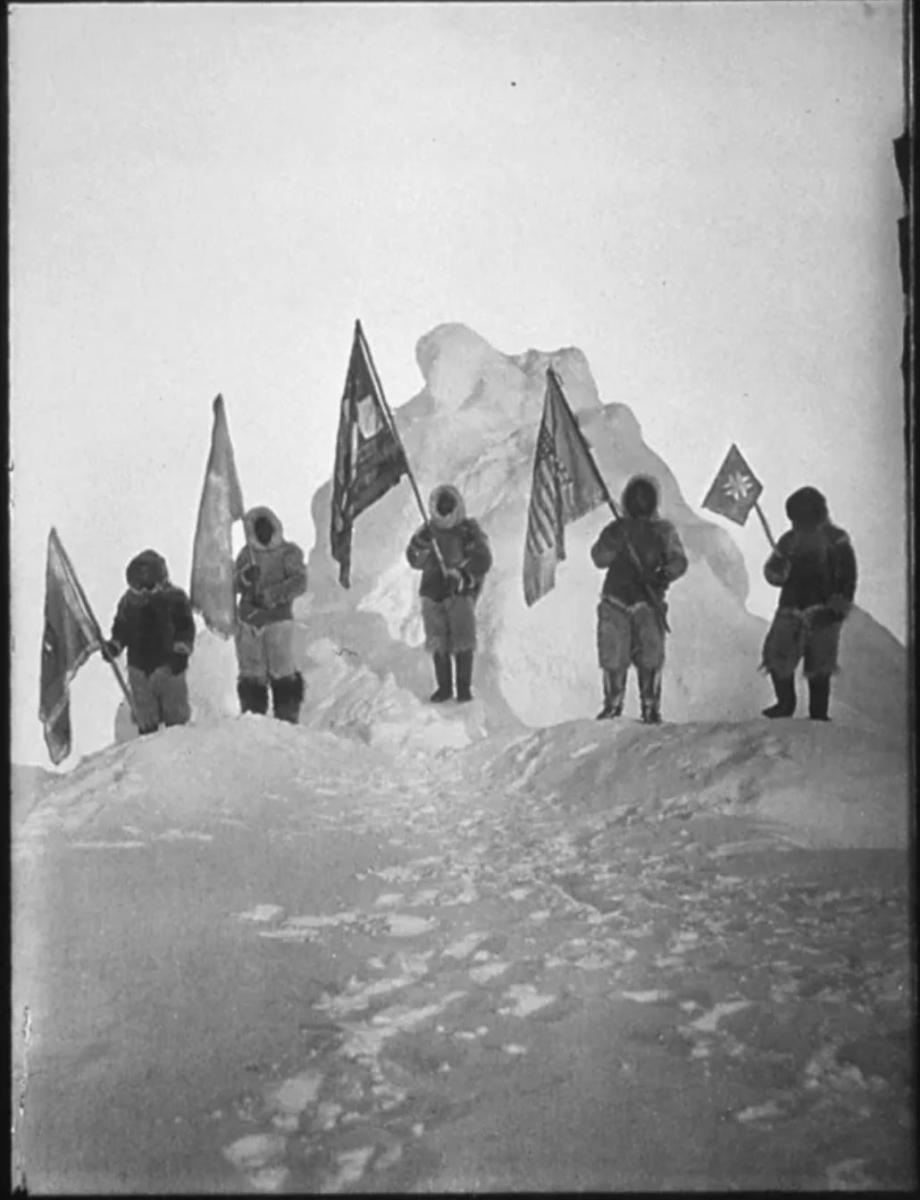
(269, 573)
(154, 623)
(643, 554)
(449, 592)
(815, 566)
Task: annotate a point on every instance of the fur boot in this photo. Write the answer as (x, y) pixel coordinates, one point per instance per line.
(819, 695)
(253, 695)
(443, 675)
(287, 697)
(464, 674)
(785, 697)
(614, 691)
(650, 696)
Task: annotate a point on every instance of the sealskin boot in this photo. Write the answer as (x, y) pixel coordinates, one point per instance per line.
(819, 695)
(650, 696)
(785, 697)
(444, 678)
(287, 697)
(253, 695)
(614, 691)
(464, 662)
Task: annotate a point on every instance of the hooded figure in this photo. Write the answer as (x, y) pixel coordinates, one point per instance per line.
(154, 623)
(643, 554)
(269, 573)
(814, 566)
(452, 553)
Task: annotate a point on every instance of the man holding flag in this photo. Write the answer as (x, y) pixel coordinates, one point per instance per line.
(643, 556)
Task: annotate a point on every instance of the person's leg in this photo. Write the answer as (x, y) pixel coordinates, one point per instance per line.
(648, 655)
(172, 694)
(287, 683)
(434, 622)
(461, 616)
(613, 653)
(821, 647)
(252, 684)
(782, 649)
(146, 706)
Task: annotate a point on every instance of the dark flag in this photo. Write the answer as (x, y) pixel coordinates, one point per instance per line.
(735, 489)
(369, 459)
(211, 590)
(566, 485)
(70, 637)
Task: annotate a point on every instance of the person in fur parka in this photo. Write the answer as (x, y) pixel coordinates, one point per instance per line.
(815, 567)
(269, 574)
(628, 629)
(154, 623)
(449, 593)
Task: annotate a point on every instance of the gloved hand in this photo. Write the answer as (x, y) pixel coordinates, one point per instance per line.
(250, 575)
(657, 579)
(839, 605)
(178, 661)
(112, 648)
(780, 568)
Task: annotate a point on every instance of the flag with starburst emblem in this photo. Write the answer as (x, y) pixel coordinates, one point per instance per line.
(735, 489)
(566, 485)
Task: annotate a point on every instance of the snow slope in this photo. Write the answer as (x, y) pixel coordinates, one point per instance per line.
(253, 955)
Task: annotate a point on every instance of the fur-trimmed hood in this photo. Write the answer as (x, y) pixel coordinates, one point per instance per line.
(146, 570)
(452, 518)
(249, 522)
(633, 490)
(807, 508)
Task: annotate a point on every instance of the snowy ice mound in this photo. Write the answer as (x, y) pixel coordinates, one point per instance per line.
(474, 424)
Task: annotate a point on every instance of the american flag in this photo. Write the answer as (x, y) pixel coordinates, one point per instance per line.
(566, 485)
(735, 489)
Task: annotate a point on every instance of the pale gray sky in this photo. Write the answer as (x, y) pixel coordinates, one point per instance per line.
(702, 197)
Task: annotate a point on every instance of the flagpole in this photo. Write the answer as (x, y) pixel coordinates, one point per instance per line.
(78, 588)
(630, 548)
(763, 521)
(370, 362)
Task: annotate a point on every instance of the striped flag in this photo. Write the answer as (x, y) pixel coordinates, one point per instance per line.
(735, 489)
(369, 459)
(211, 589)
(70, 637)
(566, 485)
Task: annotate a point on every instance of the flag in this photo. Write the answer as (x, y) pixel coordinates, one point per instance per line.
(211, 591)
(70, 637)
(368, 457)
(566, 485)
(735, 490)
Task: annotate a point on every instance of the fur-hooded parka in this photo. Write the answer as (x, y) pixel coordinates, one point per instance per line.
(657, 545)
(813, 563)
(153, 620)
(268, 577)
(461, 541)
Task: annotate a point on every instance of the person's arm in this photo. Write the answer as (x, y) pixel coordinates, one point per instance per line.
(674, 557)
(294, 580)
(608, 546)
(844, 575)
(778, 566)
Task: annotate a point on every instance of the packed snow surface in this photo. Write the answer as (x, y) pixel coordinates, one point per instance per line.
(249, 954)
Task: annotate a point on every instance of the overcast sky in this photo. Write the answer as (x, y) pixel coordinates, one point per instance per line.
(702, 197)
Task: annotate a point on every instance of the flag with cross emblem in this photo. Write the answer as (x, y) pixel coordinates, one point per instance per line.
(735, 489)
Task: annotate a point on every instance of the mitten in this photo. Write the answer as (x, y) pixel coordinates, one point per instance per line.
(178, 661)
(454, 579)
(839, 605)
(250, 575)
(112, 648)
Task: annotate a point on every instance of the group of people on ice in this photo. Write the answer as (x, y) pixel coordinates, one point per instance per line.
(641, 553)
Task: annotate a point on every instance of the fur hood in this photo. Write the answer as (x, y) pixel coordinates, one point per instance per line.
(453, 518)
(807, 509)
(638, 484)
(249, 522)
(146, 570)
